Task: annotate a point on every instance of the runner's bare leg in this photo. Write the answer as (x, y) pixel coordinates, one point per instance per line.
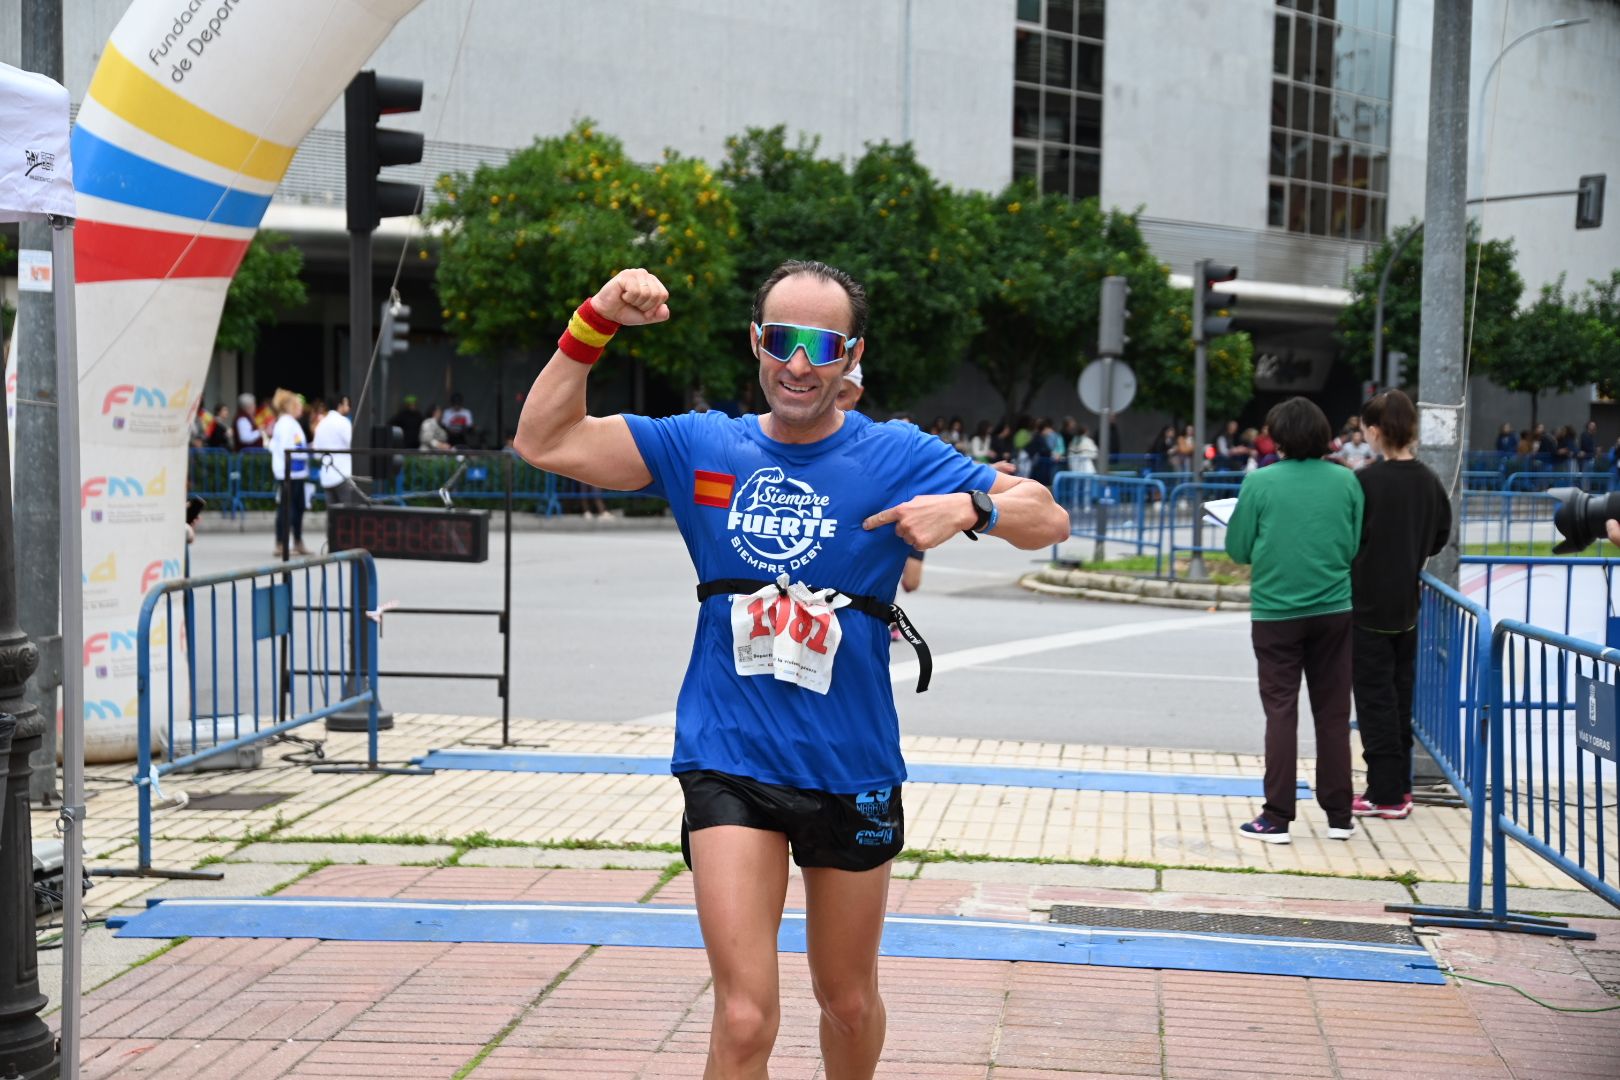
(740, 877)
(844, 927)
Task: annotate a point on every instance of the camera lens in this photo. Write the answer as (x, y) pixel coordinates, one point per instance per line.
(1581, 518)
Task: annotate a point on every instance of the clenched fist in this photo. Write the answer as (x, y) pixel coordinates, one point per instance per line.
(633, 298)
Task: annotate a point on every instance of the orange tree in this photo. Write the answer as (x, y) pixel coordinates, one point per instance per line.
(883, 218)
(1554, 345)
(1039, 262)
(1490, 314)
(265, 286)
(524, 242)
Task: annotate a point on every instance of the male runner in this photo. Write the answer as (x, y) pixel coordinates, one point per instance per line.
(786, 733)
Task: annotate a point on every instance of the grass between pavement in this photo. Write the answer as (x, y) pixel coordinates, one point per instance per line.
(1223, 571)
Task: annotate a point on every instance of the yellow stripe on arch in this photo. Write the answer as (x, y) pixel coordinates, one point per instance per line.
(142, 101)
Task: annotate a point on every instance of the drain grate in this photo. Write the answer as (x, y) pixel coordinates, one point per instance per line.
(237, 800)
(1256, 925)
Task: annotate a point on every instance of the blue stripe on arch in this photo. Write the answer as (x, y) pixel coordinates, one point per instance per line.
(1000, 775)
(110, 172)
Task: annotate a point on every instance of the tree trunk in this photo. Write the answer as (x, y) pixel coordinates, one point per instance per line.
(1535, 402)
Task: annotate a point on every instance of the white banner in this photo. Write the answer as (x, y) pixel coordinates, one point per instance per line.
(192, 117)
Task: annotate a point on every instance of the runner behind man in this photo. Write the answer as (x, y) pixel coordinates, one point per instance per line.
(849, 396)
(805, 753)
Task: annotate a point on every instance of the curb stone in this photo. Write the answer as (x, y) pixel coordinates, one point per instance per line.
(1131, 589)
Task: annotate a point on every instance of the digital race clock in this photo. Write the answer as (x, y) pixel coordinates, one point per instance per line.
(403, 532)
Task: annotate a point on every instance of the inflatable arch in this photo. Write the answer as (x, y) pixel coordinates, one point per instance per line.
(191, 120)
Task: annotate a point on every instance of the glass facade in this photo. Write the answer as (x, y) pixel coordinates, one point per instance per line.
(1057, 95)
(1332, 69)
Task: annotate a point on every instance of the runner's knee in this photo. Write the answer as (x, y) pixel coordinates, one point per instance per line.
(852, 1006)
(745, 1026)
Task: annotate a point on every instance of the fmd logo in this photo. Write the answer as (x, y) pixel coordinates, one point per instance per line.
(105, 709)
(101, 585)
(110, 653)
(159, 570)
(124, 499)
(778, 522)
(149, 409)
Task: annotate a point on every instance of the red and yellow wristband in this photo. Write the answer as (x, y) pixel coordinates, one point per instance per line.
(587, 335)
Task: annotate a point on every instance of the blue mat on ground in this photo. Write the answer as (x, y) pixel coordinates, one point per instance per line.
(1001, 775)
(651, 926)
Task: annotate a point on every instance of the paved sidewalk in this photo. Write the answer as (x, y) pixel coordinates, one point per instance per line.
(232, 1008)
(251, 1009)
(975, 820)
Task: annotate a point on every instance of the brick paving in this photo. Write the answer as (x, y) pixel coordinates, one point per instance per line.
(217, 1009)
(229, 1008)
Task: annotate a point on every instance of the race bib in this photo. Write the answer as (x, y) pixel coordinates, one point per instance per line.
(792, 636)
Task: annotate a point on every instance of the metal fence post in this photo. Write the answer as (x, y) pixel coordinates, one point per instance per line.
(1497, 759)
(369, 587)
(1482, 730)
(144, 777)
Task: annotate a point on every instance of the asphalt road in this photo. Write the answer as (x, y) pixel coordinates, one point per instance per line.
(603, 620)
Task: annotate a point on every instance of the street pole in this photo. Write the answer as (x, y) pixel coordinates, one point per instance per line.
(360, 339)
(1477, 148)
(1441, 389)
(1100, 551)
(1112, 315)
(1379, 376)
(38, 506)
(27, 1047)
(1196, 570)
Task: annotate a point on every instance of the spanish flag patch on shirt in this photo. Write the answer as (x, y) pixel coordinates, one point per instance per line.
(712, 488)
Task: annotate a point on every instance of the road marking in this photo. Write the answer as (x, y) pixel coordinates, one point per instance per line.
(1164, 675)
(906, 671)
(935, 568)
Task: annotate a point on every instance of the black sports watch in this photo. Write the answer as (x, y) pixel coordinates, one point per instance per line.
(985, 509)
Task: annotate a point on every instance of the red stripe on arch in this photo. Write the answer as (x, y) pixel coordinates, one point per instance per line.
(104, 252)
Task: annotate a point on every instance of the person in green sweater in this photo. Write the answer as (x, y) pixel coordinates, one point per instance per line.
(1299, 523)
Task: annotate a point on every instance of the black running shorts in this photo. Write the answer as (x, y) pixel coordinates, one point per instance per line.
(845, 832)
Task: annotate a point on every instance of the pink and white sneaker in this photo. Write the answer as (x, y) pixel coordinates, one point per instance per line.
(1360, 807)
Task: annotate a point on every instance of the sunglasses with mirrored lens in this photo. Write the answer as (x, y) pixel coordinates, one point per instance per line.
(821, 347)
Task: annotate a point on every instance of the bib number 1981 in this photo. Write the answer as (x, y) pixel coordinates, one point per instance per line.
(792, 638)
(787, 614)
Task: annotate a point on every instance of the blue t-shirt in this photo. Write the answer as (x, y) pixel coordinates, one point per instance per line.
(751, 507)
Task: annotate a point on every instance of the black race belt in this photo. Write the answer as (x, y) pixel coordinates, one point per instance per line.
(881, 610)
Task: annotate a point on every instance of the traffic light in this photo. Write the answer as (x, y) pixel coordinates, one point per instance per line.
(1111, 317)
(1211, 310)
(1397, 369)
(1589, 201)
(368, 148)
(395, 335)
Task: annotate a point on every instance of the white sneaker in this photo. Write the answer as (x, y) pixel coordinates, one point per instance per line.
(1342, 834)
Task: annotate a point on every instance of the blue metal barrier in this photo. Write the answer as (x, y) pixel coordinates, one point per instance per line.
(1546, 480)
(1110, 509)
(1505, 522)
(1454, 641)
(308, 614)
(1553, 700)
(1189, 499)
(1507, 707)
(1139, 464)
(211, 475)
(255, 482)
(1575, 596)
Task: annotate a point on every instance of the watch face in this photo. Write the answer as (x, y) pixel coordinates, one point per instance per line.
(982, 504)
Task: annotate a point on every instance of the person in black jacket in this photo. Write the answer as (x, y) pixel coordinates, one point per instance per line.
(1407, 519)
